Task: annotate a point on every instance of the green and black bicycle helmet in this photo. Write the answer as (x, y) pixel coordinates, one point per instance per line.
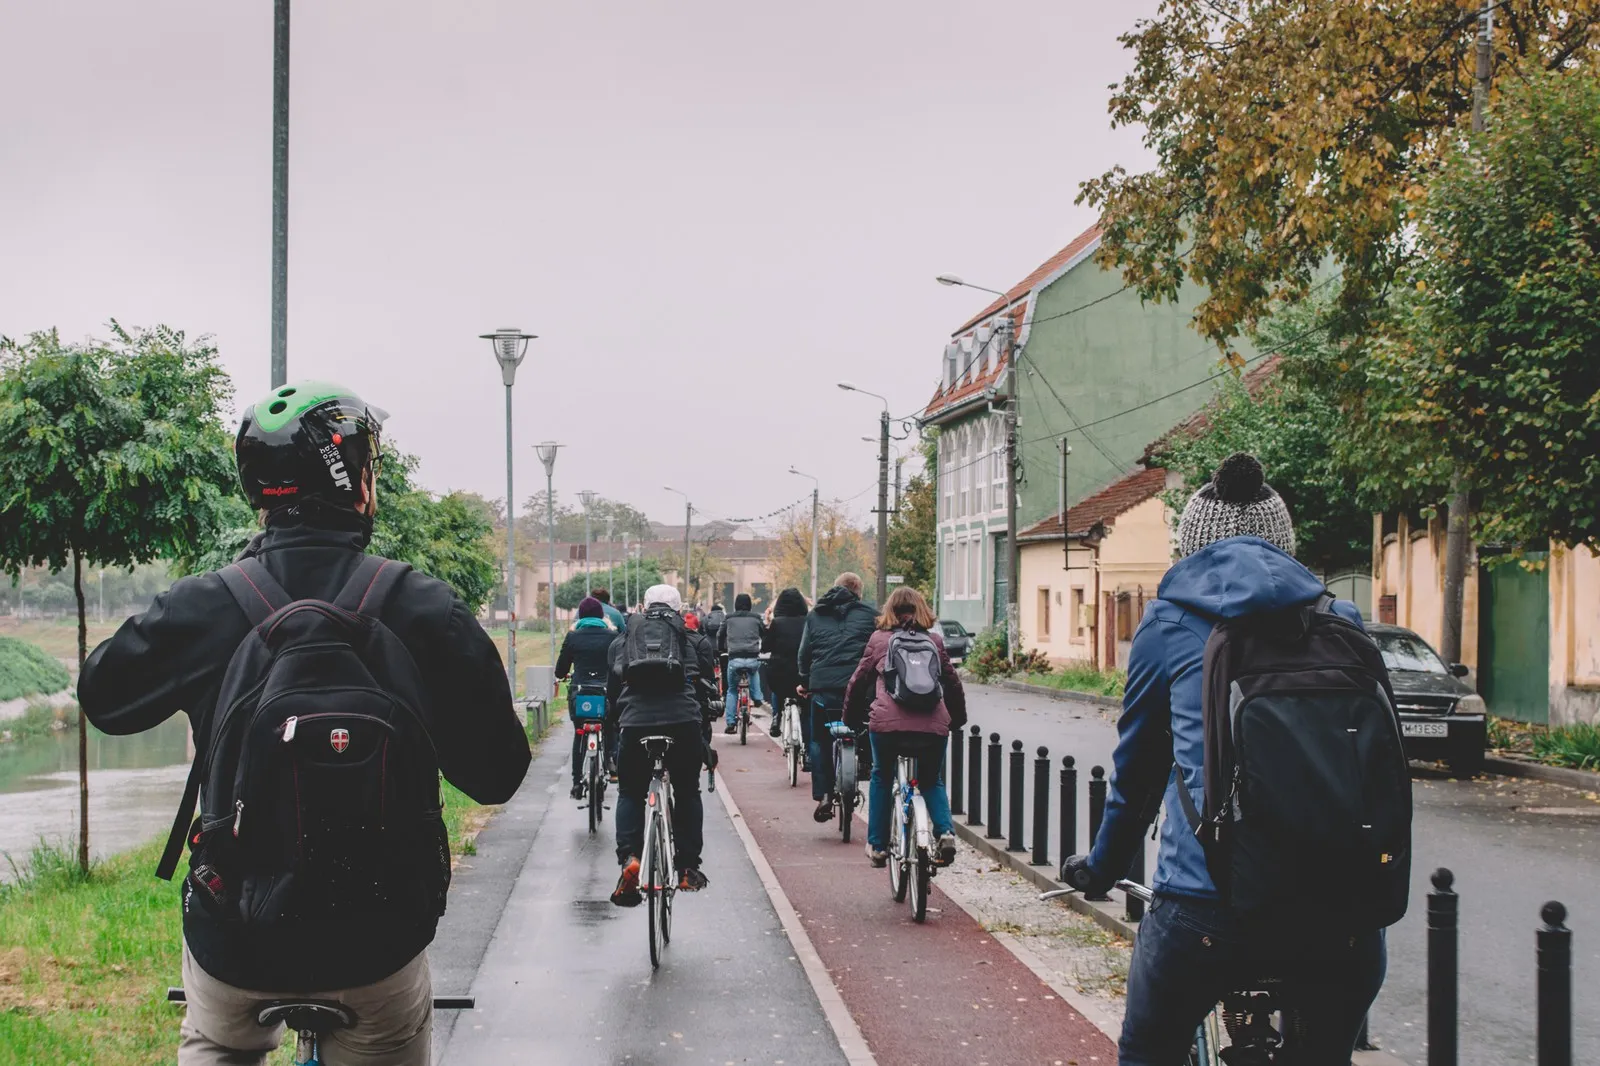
(306, 440)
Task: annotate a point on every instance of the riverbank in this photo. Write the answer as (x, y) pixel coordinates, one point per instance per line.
(85, 962)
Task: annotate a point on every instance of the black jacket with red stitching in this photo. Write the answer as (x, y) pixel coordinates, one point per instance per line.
(172, 657)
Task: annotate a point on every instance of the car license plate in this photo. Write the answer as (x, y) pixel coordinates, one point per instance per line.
(1425, 729)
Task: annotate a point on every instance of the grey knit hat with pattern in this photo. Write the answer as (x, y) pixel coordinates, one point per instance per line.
(1236, 502)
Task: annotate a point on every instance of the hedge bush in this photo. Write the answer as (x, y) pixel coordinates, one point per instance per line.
(26, 670)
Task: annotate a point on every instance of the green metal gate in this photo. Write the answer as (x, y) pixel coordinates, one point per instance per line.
(1514, 640)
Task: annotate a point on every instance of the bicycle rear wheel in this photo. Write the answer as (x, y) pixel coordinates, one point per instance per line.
(919, 876)
(744, 723)
(792, 753)
(596, 790)
(655, 877)
(897, 854)
(845, 784)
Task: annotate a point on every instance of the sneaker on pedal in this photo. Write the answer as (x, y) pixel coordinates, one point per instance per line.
(824, 811)
(690, 879)
(947, 849)
(626, 894)
(730, 728)
(879, 859)
(577, 790)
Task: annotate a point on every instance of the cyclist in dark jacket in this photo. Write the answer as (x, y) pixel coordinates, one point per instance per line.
(711, 625)
(782, 643)
(740, 640)
(679, 713)
(309, 466)
(585, 655)
(831, 644)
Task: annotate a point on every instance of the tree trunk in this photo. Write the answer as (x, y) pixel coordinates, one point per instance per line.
(83, 723)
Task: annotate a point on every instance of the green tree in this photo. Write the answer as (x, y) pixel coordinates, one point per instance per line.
(625, 584)
(913, 549)
(1291, 134)
(113, 453)
(841, 547)
(1500, 351)
(446, 537)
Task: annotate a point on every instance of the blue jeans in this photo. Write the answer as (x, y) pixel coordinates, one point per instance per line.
(1188, 954)
(822, 708)
(928, 751)
(752, 667)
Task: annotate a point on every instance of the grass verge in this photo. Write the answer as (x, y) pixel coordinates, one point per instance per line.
(1082, 679)
(85, 961)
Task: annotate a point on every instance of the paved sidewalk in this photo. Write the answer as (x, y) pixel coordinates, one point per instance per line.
(941, 994)
(566, 977)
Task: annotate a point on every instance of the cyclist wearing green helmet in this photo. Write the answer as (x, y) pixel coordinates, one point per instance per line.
(308, 455)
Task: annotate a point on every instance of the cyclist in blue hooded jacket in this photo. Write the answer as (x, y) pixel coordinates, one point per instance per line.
(1236, 544)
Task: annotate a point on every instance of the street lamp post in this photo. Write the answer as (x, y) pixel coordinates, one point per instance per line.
(611, 555)
(587, 498)
(547, 455)
(280, 192)
(626, 589)
(510, 346)
(816, 487)
(1008, 352)
(688, 516)
(883, 490)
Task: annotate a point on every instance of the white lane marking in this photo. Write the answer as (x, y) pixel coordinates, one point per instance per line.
(845, 1030)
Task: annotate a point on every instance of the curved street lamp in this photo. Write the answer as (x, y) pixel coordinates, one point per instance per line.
(547, 455)
(510, 346)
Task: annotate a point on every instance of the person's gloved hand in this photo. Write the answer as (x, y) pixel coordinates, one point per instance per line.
(1077, 873)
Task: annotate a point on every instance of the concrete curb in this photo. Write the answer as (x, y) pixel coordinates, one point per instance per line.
(1106, 915)
(1064, 695)
(1560, 775)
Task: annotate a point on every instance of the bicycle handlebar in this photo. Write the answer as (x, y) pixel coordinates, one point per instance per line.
(1132, 888)
(177, 995)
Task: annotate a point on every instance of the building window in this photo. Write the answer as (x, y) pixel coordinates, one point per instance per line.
(1044, 614)
(974, 567)
(961, 568)
(997, 454)
(949, 569)
(1078, 619)
(946, 511)
(980, 471)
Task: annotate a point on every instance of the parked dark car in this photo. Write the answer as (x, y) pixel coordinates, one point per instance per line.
(957, 641)
(1441, 718)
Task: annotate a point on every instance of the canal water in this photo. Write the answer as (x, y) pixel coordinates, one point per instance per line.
(135, 784)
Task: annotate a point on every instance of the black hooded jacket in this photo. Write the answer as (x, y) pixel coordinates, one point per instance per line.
(835, 635)
(172, 657)
(783, 634)
(629, 707)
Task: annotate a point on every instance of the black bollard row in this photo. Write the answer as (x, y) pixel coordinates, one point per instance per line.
(1019, 765)
(1069, 808)
(975, 777)
(958, 781)
(1443, 907)
(993, 830)
(1554, 953)
(1097, 810)
(1041, 808)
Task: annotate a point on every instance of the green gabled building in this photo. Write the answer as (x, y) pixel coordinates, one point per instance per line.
(1100, 367)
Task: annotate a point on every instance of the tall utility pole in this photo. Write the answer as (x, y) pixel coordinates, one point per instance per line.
(688, 517)
(280, 192)
(1458, 544)
(816, 487)
(1066, 505)
(586, 497)
(1013, 618)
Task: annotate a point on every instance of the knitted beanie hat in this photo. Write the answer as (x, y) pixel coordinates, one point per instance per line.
(589, 607)
(1236, 502)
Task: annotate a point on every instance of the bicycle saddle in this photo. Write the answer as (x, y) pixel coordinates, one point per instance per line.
(318, 1016)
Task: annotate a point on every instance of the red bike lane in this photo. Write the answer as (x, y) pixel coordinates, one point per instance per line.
(944, 993)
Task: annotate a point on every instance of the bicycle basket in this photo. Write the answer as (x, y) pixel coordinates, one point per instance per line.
(588, 707)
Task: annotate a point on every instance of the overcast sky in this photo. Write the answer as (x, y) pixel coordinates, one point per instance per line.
(710, 211)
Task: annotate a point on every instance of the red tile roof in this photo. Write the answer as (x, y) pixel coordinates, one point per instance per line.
(972, 384)
(1115, 499)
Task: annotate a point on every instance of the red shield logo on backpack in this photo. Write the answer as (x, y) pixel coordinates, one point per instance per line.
(340, 739)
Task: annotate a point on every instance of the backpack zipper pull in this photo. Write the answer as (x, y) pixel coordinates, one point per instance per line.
(289, 725)
(238, 815)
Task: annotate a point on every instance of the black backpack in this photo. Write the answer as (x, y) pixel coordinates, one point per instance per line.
(320, 780)
(1307, 789)
(653, 652)
(912, 670)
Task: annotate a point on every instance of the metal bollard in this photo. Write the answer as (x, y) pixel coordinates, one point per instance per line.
(975, 777)
(1069, 808)
(958, 779)
(1555, 987)
(1041, 808)
(1443, 907)
(1019, 766)
(1133, 908)
(992, 822)
(1097, 810)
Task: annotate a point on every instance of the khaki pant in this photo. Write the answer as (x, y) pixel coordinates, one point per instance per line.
(394, 1021)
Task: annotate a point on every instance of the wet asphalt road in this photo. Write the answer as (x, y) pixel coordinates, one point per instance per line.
(566, 976)
(1507, 859)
